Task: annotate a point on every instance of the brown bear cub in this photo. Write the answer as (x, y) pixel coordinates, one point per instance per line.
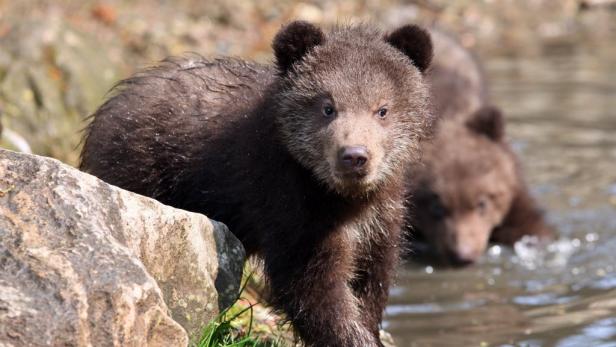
(304, 161)
(469, 189)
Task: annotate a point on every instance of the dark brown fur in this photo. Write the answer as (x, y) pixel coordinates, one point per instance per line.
(249, 145)
(469, 189)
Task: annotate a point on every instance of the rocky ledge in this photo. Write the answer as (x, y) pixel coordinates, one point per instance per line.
(84, 263)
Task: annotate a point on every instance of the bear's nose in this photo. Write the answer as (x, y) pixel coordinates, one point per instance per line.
(353, 158)
(463, 256)
(459, 260)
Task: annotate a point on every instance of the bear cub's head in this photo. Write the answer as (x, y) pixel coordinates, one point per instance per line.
(351, 104)
(466, 186)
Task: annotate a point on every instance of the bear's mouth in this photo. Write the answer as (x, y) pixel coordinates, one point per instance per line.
(353, 175)
(349, 179)
(353, 183)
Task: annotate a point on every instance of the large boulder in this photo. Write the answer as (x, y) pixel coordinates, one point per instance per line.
(85, 263)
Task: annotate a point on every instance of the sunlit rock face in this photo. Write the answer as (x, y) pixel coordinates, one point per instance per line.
(86, 263)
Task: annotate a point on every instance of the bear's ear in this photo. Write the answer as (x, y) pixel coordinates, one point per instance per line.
(293, 41)
(413, 41)
(488, 121)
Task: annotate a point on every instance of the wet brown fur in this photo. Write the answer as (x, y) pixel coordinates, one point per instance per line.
(248, 145)
(469, 189)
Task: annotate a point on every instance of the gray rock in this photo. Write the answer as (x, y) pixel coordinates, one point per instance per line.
(85, 263)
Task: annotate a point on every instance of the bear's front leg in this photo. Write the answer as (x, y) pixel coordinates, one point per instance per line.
(376, 264)
(310, 283)
(524, 218)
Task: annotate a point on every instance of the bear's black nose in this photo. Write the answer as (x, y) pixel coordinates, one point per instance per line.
(353, 158)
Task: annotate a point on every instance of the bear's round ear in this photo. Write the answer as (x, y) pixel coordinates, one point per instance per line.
(413, 41)
(488, 121)
(293, 41)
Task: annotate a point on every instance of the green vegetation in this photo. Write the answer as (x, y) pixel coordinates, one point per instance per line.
(228, 330)
(244, 324)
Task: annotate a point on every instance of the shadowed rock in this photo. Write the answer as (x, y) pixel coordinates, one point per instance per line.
(86, 263)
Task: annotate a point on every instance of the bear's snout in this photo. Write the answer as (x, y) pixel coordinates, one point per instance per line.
(467, 239)
(353, 159)
(463, 255)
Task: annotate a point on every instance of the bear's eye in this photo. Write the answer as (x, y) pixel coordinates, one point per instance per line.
(382, 112)
(437, 210)
(328, 111)
(482, 205)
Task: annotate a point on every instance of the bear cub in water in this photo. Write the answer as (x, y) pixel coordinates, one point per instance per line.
(469, 189)
(304, 161)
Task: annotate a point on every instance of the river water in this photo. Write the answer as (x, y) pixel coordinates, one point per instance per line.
(560, 107)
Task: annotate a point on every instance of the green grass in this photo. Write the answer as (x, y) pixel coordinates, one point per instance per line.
(223, 332)
(234, 328)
